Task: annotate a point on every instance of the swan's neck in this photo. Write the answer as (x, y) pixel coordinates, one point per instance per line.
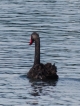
(37, 51)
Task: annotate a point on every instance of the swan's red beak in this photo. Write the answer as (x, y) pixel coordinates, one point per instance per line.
(31, 41)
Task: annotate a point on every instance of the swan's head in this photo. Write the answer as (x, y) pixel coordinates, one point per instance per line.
(34, 37)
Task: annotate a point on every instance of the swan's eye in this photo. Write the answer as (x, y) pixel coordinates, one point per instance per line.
(31, 41)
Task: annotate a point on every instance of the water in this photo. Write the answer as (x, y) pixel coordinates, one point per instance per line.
(58, 23)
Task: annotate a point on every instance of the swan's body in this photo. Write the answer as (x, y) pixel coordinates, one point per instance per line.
(39, 70)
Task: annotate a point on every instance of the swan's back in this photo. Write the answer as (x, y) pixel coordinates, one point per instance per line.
(41, 71)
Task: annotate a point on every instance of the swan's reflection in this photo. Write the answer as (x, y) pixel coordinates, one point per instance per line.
(38, 86)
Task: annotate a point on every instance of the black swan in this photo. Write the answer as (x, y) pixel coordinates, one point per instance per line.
(39, 70)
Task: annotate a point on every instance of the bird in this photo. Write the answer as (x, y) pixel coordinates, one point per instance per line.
(39, 70)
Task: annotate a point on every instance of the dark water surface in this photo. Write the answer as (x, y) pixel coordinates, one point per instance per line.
(58, 23)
